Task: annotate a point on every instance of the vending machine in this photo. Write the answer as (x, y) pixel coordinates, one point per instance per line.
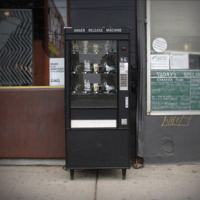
(97, 92)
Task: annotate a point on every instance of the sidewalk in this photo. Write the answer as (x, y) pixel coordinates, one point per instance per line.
(164, 182)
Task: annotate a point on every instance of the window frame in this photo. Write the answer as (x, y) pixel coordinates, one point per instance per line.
(148, 51)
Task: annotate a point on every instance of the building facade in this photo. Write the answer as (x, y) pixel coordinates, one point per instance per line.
(165, 76)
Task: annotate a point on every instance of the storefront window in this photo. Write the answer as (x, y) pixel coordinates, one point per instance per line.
(173, 57)
(32, 42)
(16, 49)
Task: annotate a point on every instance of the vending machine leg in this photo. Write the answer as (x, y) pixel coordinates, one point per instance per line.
(72, 174)
(123, 174)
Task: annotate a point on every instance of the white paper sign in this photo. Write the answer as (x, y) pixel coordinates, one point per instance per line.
(159, 45)
(57, 72)
(179, 61)
(159, 61)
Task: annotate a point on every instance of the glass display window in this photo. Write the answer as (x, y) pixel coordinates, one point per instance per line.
(93, 68)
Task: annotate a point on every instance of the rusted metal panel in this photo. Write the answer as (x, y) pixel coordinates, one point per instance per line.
(32, 123)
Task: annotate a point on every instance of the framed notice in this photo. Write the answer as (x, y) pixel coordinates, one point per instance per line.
(56, 72)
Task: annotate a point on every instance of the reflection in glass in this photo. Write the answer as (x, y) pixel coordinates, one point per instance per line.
(16, 48)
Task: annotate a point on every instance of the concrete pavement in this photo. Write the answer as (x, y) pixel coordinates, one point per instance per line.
(163, 182)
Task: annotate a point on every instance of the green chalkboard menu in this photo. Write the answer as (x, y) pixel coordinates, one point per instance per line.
(175, 90)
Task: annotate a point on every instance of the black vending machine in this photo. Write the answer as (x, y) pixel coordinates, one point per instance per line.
(97, 92)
